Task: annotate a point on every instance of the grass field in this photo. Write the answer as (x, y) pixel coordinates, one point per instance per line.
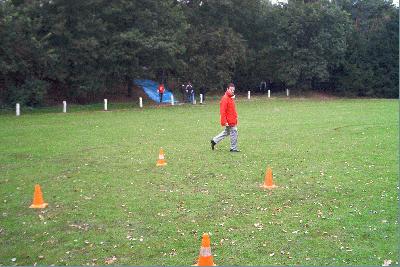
(335, 162)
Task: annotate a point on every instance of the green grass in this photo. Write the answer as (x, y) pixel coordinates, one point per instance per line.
(335, 162)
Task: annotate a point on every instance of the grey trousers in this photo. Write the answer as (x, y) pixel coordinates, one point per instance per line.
(229, 130)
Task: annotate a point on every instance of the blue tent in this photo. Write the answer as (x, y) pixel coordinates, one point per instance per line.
(151, 89)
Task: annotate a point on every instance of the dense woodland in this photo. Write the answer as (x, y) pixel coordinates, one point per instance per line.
(83, 49)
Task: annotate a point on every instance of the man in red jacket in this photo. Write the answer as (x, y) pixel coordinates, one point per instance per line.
(161, 90)
(229, 119)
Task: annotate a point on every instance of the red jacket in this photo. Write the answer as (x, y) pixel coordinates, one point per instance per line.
(227, 110)
(161, 88)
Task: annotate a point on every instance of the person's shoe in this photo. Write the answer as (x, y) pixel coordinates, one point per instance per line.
(234, 150)
(212, 144)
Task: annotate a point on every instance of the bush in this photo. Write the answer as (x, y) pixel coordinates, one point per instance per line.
(31, 93)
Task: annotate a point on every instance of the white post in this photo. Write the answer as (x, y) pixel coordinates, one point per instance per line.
(194, 99)
(287, 92)
(140, 102)
(105, 104)
(172, 100)
(269, 93)
(65, 106)
(17, 110)
(201, 98)
(248, 94)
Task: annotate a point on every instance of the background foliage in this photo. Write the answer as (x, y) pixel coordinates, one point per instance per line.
(81, 50)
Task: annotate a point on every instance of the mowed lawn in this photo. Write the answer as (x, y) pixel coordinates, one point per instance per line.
(335, 162)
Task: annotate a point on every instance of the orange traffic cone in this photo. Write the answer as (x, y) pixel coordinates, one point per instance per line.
(38, 202)
(205, 258)
(268, 183)
(161, 161)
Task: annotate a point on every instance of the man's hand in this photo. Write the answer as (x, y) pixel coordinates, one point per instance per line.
(226, 124)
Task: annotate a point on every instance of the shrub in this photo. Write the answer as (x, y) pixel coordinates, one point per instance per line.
(31, 93)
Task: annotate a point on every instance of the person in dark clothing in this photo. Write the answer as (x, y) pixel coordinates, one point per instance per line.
(183, 92)
(189, 92)
(263, 86)
(203, 90)
(269, 85)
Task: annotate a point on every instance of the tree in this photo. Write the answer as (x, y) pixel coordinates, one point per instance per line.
(82, 50)
(24, 55)
(91, 46)
(309, 39)
(371, 65)
(213, 55)
(215, 46)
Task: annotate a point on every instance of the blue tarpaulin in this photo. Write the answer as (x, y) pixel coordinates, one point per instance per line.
(151, 89)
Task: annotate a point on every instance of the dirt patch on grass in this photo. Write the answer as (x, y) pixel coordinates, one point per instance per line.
(322, 96)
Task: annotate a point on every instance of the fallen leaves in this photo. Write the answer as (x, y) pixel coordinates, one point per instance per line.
(110, 260)
(83, 226)
(173, 253)
(130, 237)
(259, 226)
(387, 262)
(346, 249)
(221, 242)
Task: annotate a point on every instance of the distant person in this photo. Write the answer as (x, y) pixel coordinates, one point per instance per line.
(189, 92)
(183, 92)
(229, 119)
(263, 86)
(203, 91)
(161, 90)
(269, 85)
(192, 95)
